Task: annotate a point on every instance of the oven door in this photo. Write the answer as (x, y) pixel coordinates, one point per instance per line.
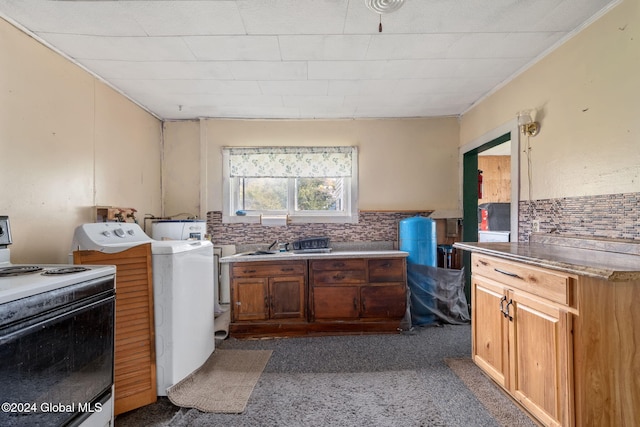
(57, 366)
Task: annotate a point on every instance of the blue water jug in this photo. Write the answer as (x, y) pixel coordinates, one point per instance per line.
(418, 237)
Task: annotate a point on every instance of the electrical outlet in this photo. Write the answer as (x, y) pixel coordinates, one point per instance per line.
(535, 225)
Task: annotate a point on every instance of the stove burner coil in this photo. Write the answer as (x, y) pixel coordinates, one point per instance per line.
(64, 270)
(18, 270)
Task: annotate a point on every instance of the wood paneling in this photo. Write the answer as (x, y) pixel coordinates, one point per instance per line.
(496, 178)
(607, 360)
(135, 351)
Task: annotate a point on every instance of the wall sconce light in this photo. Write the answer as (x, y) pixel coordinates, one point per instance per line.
(526, 123)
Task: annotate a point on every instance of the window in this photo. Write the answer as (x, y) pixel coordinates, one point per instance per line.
(309, 184)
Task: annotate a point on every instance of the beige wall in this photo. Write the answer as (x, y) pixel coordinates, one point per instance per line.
(586, 93)
(68, 143)
(181, 168)
(404, 164)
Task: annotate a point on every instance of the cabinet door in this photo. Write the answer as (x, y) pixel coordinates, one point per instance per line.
(336, 302)
(384, 301)
(489, 329)
(250, 299)
(539, 358)
(286, 298)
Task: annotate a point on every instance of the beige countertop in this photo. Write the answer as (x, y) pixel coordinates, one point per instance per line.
(605, 265)
(291, 256)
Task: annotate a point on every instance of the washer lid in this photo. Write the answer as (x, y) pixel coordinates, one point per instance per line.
(168, 247)
(177, 220)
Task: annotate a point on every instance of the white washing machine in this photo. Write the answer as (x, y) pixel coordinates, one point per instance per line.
(183, 293)
(178, 229)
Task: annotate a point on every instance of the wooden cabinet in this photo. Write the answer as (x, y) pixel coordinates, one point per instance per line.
(317, 296)
(335, 288)
(521, 334)
(358, 289)
(135, 350)
(264, 291)
(490, 334)
(562, 340)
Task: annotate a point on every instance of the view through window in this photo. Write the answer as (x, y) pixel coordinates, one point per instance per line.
(307, 183)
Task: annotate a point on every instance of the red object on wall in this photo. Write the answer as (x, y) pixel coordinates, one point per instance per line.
(479, 184)
(484, 219)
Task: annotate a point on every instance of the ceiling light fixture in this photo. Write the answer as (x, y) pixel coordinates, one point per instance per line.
(526, 123)
(383, 7)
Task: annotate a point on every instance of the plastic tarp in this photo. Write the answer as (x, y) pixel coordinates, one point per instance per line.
(436, 295)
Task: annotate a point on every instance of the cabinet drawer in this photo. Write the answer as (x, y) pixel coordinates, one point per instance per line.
(264, 269)
(386, 270)
(338, 277)
(338, 264)
(549, 284)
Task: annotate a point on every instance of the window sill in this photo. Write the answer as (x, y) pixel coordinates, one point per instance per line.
(297, 219)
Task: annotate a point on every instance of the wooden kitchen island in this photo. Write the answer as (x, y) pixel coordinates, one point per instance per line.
(342, 292)
(556, 323)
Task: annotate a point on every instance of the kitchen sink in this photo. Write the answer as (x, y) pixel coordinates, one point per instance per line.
(262, 252)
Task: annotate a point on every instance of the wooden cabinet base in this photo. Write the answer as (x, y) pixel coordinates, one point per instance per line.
(330, 296)
(291, 329)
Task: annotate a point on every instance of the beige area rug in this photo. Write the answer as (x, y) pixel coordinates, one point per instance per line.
(221, 325)
(223, 384)
(499, 405)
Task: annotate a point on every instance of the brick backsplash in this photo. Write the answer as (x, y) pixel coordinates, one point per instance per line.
(371, 226)
(615, 216)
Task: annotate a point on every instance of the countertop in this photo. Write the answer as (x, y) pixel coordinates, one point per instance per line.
(291, 256)
(611, 266)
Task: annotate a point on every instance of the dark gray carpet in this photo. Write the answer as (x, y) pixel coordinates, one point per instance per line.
(360, 380)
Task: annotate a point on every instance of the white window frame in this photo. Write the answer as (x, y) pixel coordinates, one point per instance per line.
(346, 216)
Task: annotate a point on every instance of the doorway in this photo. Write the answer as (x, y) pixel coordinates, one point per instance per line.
(471, 187)
(469, 192)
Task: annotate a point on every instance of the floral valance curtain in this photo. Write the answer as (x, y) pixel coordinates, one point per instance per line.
(288, 162)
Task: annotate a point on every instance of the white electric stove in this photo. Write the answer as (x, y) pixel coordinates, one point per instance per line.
(24, 280)
(56, 341)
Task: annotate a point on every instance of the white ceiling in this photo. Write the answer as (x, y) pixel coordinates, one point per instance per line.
(184, 59)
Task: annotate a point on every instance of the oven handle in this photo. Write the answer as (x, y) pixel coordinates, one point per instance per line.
(37, 322)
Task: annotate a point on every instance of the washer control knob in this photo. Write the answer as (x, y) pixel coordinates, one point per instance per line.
(106, 233)
(119, 232)
(131, 232)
